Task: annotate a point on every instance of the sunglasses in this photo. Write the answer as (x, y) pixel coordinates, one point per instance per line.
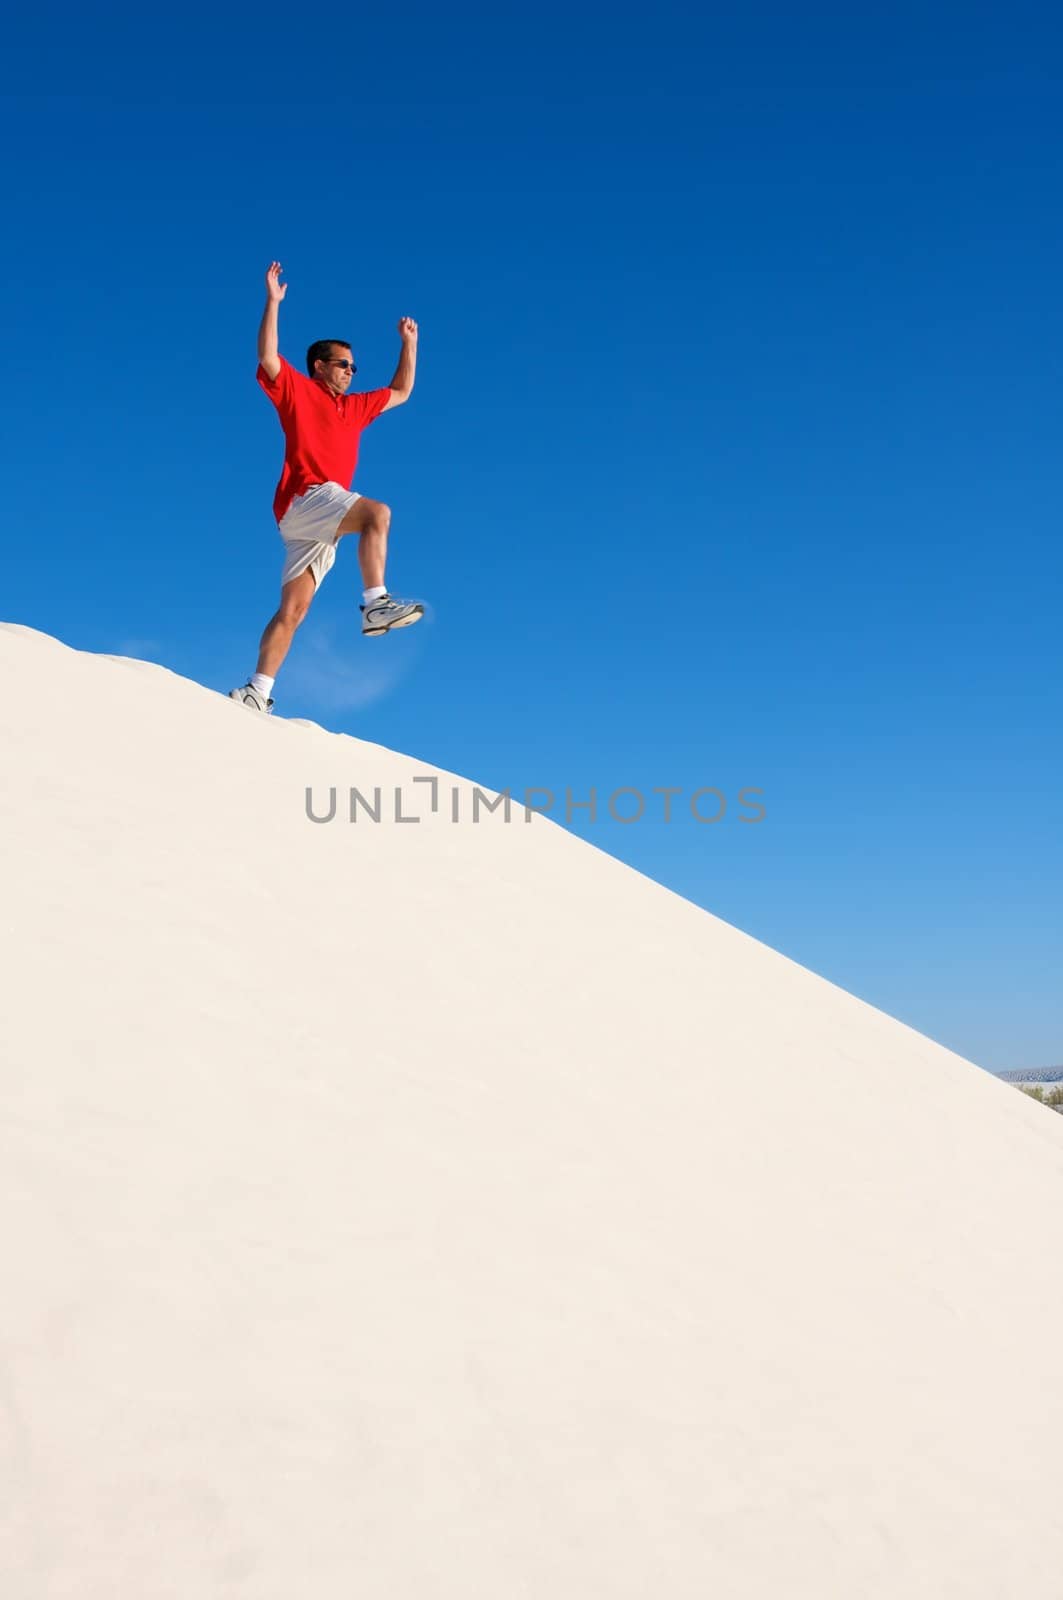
(348, 366)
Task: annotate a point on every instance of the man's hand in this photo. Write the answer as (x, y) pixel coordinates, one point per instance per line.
(268, 354)
(402, 382)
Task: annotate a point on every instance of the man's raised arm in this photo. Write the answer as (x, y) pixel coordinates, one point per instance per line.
(402, 383)
(268, 354)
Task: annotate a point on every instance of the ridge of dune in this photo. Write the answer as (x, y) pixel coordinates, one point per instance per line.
(446, 1209)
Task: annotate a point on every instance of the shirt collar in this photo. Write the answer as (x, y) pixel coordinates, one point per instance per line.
(328, 391)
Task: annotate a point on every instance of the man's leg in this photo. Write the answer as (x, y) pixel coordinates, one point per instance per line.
(370, 519)
(381, 612)
(280, 629)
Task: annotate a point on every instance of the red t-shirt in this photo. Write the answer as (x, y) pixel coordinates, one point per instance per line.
(321, 431)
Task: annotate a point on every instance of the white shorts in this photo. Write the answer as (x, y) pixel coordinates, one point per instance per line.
(308, 529)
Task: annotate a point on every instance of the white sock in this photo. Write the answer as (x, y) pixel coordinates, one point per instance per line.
(369, 595)
(264, 685)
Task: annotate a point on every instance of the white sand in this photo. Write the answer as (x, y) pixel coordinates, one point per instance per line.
(516, 1229)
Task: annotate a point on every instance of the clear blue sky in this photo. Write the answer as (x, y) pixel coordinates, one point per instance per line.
(734, 455)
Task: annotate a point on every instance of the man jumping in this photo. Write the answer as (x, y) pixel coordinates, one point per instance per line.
(313, 506)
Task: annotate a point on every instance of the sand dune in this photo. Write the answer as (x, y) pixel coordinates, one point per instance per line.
(432, 1210)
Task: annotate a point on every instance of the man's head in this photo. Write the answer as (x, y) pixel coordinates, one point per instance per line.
(331, 361)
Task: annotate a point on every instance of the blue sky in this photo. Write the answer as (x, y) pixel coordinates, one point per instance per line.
(733, 458)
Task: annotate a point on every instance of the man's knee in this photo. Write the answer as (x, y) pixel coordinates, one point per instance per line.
(295, 600)
(380, 516)
(365, 516)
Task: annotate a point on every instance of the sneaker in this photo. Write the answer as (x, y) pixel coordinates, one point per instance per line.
(386, 613)
(250, 696)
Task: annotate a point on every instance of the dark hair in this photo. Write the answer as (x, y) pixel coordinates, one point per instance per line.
(321, 350)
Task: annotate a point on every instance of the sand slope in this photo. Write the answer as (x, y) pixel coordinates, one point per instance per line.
(417, 1211)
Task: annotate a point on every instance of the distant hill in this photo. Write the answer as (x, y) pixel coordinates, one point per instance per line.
(1033, 1075)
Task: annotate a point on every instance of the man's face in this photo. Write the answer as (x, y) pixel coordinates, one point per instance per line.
(338, 370)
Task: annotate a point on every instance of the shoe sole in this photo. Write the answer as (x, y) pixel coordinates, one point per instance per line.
(403, 622)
